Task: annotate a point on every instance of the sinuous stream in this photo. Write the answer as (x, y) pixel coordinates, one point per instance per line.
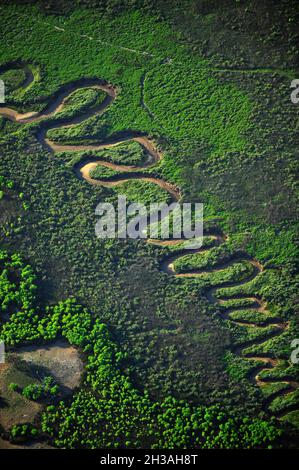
(132, 172)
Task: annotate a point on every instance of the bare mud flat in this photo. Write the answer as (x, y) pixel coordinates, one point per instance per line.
(28, 365)
(59, 359)
(31, 445)
(14, 408)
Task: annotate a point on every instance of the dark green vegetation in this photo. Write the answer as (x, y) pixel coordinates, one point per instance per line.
(46, 389)
(108, 411)
(229, 141)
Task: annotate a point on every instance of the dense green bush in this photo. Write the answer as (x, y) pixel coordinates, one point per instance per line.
(46, 389)
(228, 139)
(108, 411)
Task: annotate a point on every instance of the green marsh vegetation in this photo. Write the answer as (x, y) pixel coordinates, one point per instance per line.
(107, 410)
(228, 141)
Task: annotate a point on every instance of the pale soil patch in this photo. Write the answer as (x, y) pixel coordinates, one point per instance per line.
(14, 408)
(59, 359)
(30, 364)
